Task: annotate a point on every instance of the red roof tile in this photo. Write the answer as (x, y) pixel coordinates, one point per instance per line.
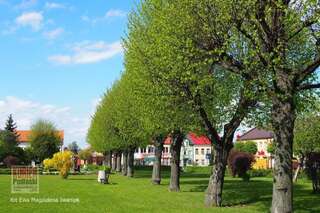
(24, 135)
(196, 140)
(199, 140)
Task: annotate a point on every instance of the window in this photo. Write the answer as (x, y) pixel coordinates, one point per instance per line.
(202, 162)
(208, 151)
(197, 161)
(150, 149)
(166, 150)
(197, 151)
(202, 151)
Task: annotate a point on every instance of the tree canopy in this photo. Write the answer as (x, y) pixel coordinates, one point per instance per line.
(44, 139)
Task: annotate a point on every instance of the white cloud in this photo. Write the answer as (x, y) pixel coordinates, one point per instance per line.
(53, 5)
(108, 15)
(53, 34)
(30, 19)
(25, 112)
(88, 52)
(115, 13)
(25, 4)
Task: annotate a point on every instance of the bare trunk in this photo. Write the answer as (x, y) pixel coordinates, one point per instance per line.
(175, 149)
(300, 166)
(283, 118)
(214, 191)
(156, 172)
(109, 162)
(295, 178)
(124, 162)
(107, 159)
(119, 161)
(130, 160)
(114, 162)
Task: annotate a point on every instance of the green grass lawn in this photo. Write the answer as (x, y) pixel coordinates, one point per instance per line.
(139, 195)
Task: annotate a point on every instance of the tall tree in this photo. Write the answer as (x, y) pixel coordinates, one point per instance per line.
(44, 139)
(11, 126)
(272, 45)
(186, 76)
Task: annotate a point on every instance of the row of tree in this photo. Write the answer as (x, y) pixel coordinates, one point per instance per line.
(206, 66)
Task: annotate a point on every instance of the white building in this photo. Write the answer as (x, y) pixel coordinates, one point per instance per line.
(195, 151)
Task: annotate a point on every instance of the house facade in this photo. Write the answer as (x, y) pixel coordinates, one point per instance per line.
(25, 134)
(262, 138)
(195, 150)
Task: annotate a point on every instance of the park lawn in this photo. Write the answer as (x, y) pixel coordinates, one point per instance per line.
(139, 195)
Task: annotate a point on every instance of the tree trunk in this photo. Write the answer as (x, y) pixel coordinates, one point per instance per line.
(156, 172)
(177, 139)
(124, 162)
(213, 195)
(130, 160)
(114, 162)
(109, 159)
(283, 118)
(295, 178)
(119, 161)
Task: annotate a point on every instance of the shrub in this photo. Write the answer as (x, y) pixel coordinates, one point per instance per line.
(10, 161)
(239, 163)
(5, 171)
(48, 164)
(246, 146)
(260, 173)
(107, 169)
(92, 167)
(61, 161)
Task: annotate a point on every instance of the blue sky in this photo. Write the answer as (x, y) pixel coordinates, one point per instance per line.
(57, 59)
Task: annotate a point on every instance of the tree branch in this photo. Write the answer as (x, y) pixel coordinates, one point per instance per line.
(261, 17)
(308, 86)
(203, 114)
(311, 68)
(305, 24)
(242, 110)
(254, 43)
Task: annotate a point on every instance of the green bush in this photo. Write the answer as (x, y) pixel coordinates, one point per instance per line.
(93, 168)
(260, 172)
(107, 169)
(5, 171)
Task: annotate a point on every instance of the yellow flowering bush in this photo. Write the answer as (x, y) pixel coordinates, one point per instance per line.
(48, 164)
(61, 161)
(260, 164)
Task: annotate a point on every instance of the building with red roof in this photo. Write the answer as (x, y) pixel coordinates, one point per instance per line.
(25, 134)
(195, 150)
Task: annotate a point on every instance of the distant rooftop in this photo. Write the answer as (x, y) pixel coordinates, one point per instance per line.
(24, 135)
(193, 138)
(255, 134)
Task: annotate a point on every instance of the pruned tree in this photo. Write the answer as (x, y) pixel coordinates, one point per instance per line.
(273, 46)
(186, 75)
